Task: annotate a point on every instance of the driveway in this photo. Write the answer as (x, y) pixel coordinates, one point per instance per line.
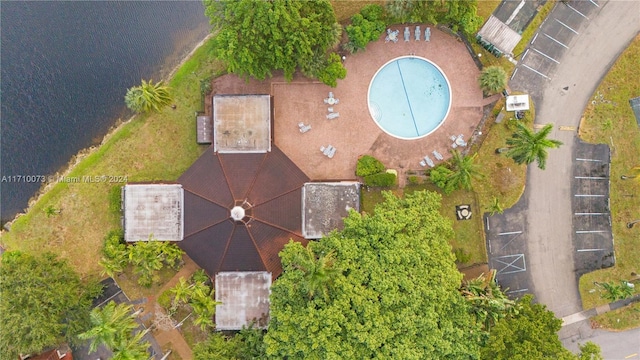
(589, 36)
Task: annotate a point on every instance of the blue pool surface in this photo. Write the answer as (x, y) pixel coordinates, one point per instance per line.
(409, 97)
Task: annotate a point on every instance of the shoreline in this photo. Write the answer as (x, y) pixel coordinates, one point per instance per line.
(76, 159)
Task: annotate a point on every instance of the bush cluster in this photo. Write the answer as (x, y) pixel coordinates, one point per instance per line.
(373, 172)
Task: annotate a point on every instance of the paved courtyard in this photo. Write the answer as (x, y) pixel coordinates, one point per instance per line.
(355, 133)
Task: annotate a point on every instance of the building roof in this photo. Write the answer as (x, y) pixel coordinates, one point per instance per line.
(242, 123)
(244, 298)
(324, 206)
(154, 210)
(517, 102)
(500, 35)
(266, 186)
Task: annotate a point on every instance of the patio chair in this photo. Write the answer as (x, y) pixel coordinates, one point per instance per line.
(330, 94)
(336, 101)
(452, 137)
(330, 109)
(423, 163)
(326, 100)
(333, 115)
(322, 149)
(407, 33)
(300, 124)
(427, 34)
(304, 129)
(429, 162)
(417, 33)
(437, 155)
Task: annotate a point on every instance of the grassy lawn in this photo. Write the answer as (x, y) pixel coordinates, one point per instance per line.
(153, 147)
(528, 33)
(609, 119)
(504, 179)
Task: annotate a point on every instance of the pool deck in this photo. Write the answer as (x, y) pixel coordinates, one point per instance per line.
(355, 133)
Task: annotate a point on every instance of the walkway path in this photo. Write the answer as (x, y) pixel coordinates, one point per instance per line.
(173, 336)
(548, 192)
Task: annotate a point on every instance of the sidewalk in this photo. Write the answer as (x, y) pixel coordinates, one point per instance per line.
(586, 314)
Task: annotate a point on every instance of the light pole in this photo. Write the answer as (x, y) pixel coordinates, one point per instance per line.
(630, 224)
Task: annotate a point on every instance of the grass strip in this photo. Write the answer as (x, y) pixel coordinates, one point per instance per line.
(532, 28)
(609, 119)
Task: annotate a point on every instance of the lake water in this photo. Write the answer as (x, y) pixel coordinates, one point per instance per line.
(65, 67)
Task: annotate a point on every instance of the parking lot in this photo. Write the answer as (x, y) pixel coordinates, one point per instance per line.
(506, 235)
(554, 37)
(592, 238)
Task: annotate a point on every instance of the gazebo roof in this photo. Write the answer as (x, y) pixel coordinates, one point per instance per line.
(242, 123)
(243, 297)
(267, 186)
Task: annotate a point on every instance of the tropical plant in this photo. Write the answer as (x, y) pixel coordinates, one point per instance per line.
(319, 271)
(526, 146)
(114, 253)
(614, 292)
(148, 97)
(50, 211)
(365, 27)
(459, 15)
(43, 303)
(180, 292)
(492, 79)
(488, 303)
(132, 347)
(495, 207)
(368, 165)
(110, 325)
(462, 170)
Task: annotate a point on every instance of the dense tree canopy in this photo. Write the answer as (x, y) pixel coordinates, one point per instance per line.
(43, 303)
(531, 333)
(392, 294)
(460, 14)
(257, 37)
(365, 27)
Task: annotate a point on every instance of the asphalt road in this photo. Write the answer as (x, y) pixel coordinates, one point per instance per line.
(561, 88)
(614, 346)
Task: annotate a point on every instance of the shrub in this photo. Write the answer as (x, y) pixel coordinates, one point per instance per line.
(380, 179)
(413, 180)
(164, 300)
(368, 165)
(440, 177)
(462, 256)
(365, 27)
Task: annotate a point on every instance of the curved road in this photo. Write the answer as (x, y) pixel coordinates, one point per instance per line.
(561, 96)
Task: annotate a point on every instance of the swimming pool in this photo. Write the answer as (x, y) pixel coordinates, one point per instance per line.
(409, 97)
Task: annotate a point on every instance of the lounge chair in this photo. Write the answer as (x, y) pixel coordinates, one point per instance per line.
(417, 33)
(407, 33)
(429, 162)
(333, 115)
(437, 155)
(331, 153)
(427, 34)
(304, 129)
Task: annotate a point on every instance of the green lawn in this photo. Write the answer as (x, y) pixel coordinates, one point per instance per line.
(608, 119)
(528, 33)
(153, 147)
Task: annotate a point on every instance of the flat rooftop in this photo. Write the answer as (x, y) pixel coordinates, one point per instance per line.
(242, 123)
(154, 210)
(245, 299)
(325, 204)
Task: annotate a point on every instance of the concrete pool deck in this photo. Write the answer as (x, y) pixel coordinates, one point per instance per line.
(355, 133)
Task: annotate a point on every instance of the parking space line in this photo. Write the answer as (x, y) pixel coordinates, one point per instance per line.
(585, 250)
(547, 56)
(510, 233)
(594, 3)
(592, 177)
(580, 159)
(535, 71)
(572, 8)
(567, 26)
(510, 264)
(515, 291)
(561, 44)
(588, 195)
(589, 214)
(534, 38)
(514, 73)
(590, 231)
(525, 54)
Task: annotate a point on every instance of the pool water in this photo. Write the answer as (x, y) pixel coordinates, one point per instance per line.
(409, 97)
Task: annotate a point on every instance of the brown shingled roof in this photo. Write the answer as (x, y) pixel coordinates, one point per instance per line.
(267, 185)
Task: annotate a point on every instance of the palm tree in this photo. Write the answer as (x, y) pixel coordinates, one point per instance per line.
(463, 170)
(132, 348)
(181, 293)
(526, 146)
(318, 271)
(495, 207)
(109, 326)
(488, 303)
(493, 79)
(148, 96)
(615, 292)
